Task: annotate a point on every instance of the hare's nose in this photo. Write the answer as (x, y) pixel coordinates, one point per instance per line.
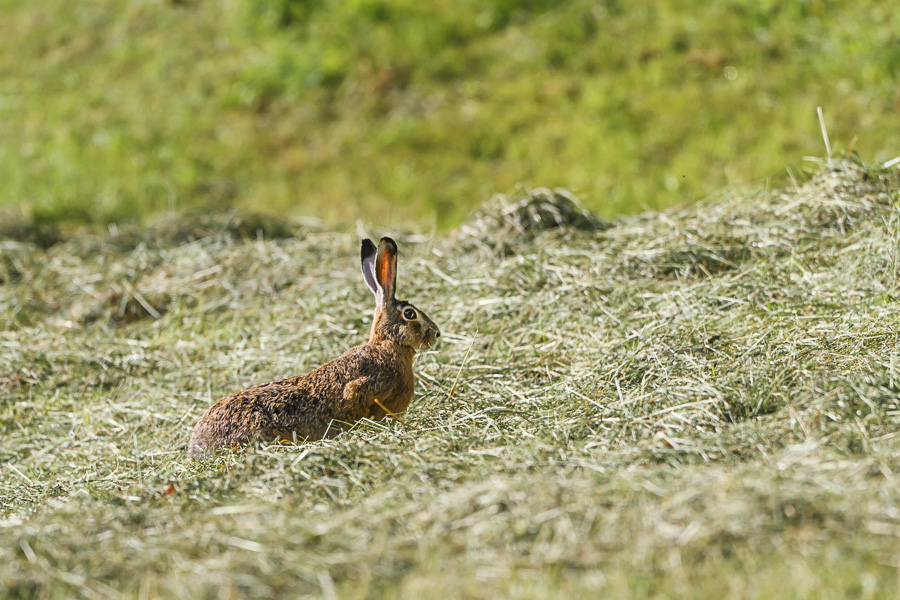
(437, 335)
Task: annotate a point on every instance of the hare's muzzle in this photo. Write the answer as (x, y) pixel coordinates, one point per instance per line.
(432, 337)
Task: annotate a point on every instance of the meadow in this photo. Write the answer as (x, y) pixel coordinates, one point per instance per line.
(669, 363)
(699, 402)
(412, 114)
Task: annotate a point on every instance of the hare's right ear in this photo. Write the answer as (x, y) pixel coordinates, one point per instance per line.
(386, 267)
(368, 253)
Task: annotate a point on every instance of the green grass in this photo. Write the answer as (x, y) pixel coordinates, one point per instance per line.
(408, 113)
(700, 402)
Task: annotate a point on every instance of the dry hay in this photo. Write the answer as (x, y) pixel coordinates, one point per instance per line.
(502, 222)
(732, 229)
(703, 400)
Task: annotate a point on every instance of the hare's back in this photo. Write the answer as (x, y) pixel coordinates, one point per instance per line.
(301, 407)
(267, 411)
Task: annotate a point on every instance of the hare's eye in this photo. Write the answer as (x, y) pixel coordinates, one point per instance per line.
(409, 314)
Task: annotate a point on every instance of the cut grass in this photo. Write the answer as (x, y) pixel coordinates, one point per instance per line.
(692, 403)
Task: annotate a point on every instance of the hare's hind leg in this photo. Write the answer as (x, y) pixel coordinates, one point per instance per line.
(358, 395)
(361, 399)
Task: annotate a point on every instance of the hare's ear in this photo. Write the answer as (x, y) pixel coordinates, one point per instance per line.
(368, 264)
(386, 267)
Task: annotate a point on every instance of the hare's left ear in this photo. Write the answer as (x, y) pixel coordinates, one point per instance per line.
(386, 267)
(367, 253)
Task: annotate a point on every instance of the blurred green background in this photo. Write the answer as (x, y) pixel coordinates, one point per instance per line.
(407, 112)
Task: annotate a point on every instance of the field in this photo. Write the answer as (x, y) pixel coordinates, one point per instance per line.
(405, 113)
(701, 402)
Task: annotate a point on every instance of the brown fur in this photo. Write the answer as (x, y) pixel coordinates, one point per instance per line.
(359, 384)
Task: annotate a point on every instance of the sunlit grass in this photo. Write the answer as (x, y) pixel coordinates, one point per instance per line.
(410, 113)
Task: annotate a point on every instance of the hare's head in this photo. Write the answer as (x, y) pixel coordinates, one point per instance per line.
(395, 320)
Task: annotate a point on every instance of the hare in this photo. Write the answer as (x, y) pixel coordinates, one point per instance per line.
(368, 381)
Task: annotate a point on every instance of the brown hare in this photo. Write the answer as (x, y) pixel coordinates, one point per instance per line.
(367, 381)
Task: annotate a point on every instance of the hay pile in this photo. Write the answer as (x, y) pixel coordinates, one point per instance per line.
(501, 225)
